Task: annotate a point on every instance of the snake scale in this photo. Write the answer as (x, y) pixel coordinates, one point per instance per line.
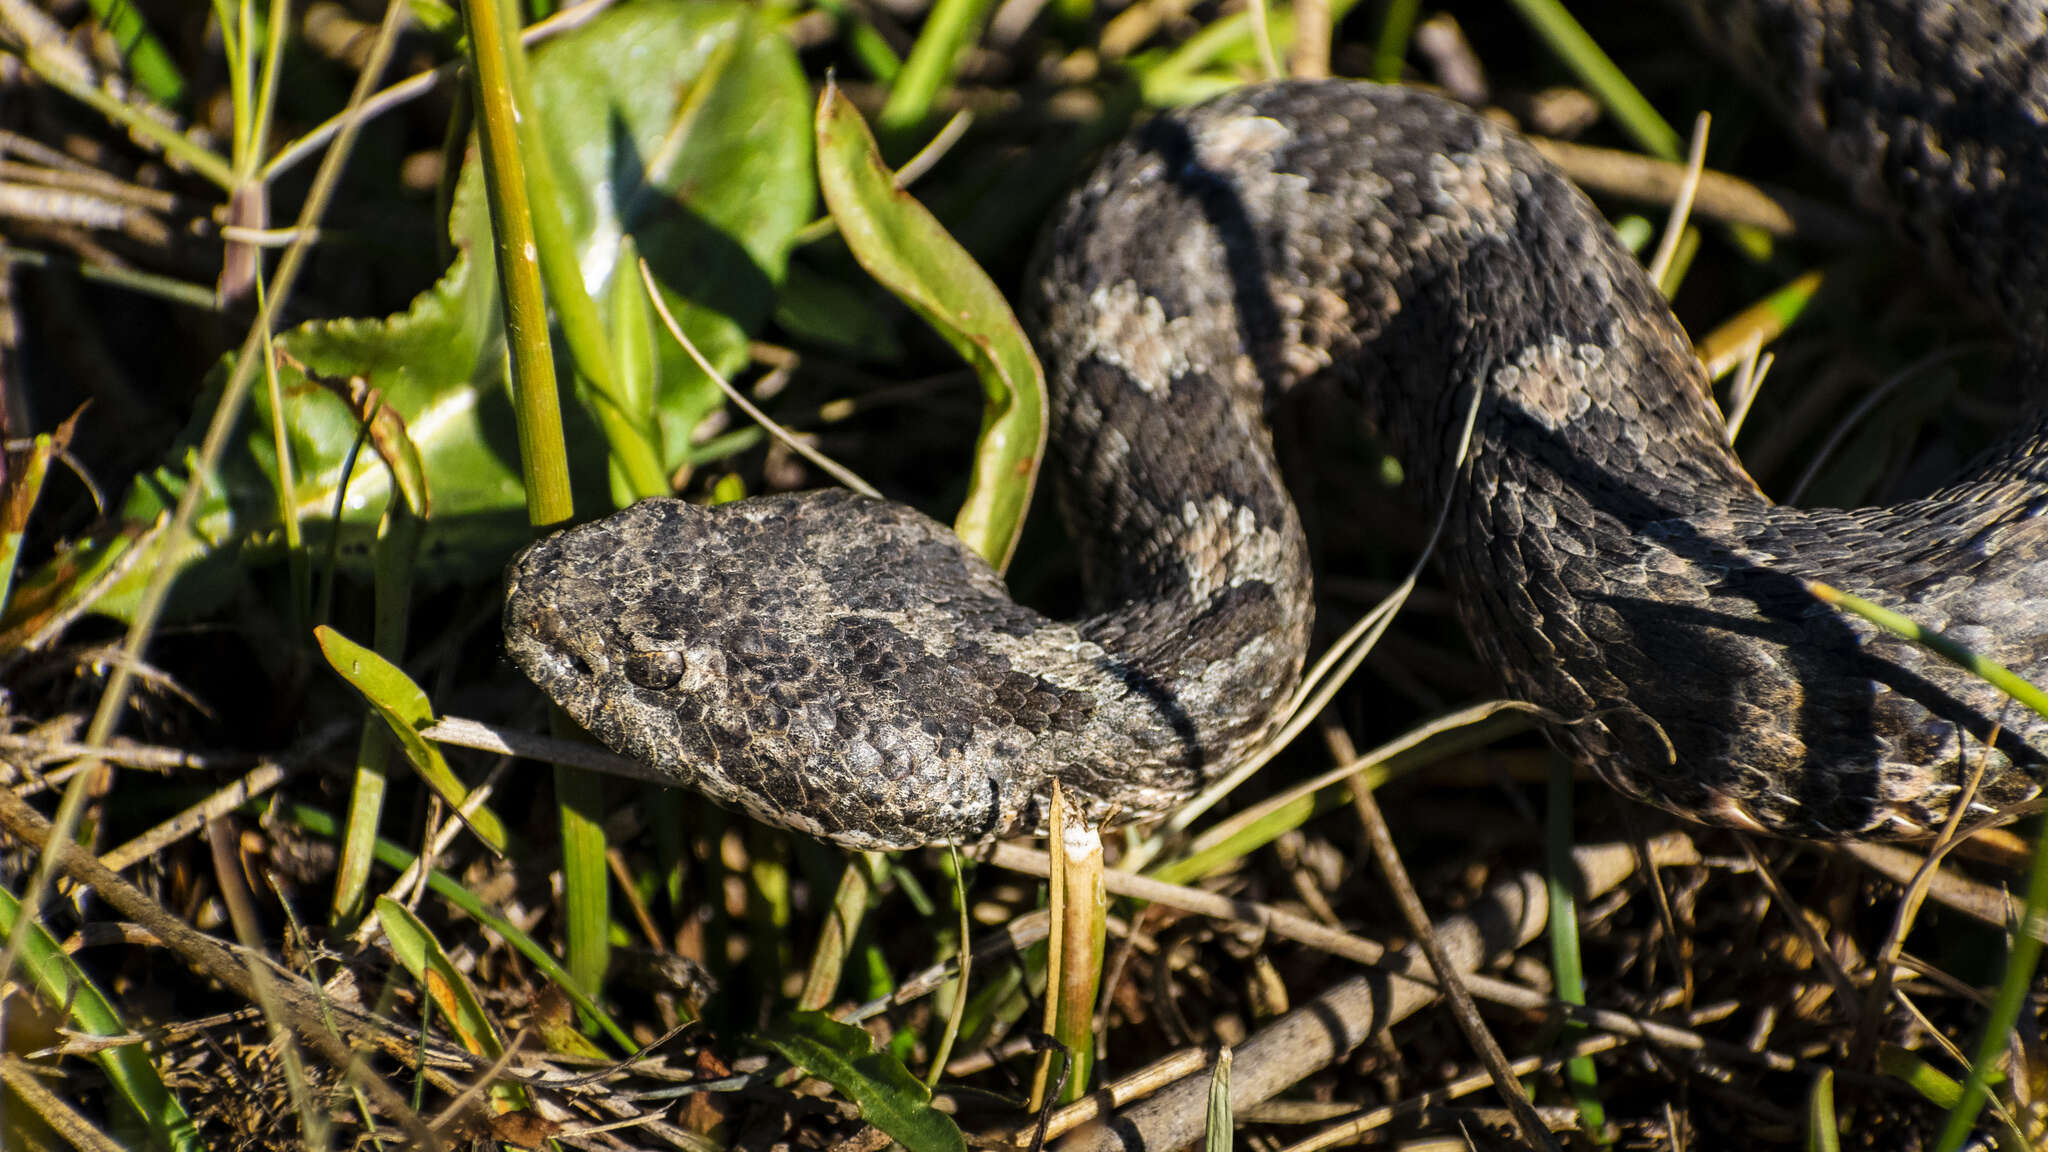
(844, 667)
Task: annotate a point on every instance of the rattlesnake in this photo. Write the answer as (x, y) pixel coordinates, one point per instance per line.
(844, 667)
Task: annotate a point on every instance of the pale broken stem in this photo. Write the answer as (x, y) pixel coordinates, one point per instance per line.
(547, 749)
(1749, 383)
(1322, 1030)
(1681, 208)
(261, 779)
(830, 466)
(1073, 955)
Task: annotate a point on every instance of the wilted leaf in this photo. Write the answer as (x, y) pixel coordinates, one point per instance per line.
(904, 247)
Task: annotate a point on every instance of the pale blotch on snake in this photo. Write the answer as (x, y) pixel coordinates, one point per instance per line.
(844, 667)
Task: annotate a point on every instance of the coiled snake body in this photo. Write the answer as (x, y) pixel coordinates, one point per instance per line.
(844, 667)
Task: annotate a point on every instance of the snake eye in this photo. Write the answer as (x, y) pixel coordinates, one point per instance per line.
(656, 670)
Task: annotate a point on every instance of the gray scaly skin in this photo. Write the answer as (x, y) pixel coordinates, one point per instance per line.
(844, 667)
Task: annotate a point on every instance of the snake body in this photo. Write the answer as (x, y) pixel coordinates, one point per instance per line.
(844, 667)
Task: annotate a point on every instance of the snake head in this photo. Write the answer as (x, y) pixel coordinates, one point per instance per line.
(828, 663)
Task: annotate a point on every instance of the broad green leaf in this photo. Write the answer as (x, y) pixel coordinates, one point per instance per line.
(888, 1096)
(62, 984)
(682, 123)
(453, 998)
(406, 709)
(905, 248)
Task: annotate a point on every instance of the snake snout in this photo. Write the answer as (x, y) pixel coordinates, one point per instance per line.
(543, 608)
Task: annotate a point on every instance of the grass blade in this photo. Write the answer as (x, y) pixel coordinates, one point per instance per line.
(1821, 1133)
(1566, 37)
(60, 982)
(934, 60)
(423, 956)
(1579, 1074)
(1222, 1118)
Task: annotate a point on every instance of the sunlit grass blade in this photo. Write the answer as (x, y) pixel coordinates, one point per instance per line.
(397, 549)
(1567, 971)
(1566, 37)
(842, 921)
(1757, 325)
(1994, 673)
(962, 979)
(63, 985)
(406, 710)
(1821, 1133)
(149, 63)
(1390, 47)
(1221, 1130)
(934, 61)
(454, 999)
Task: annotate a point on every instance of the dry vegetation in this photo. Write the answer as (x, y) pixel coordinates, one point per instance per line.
(213, 777)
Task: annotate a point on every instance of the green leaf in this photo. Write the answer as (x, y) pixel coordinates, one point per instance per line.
(888, 1096)
(682, 123)
(423, 956)
(405, 707)
(61, 983)
(904, 247)
(149, 62)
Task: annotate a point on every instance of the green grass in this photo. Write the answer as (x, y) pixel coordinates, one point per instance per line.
(711, 185)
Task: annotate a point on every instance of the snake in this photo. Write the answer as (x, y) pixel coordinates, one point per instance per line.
(845, 667)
